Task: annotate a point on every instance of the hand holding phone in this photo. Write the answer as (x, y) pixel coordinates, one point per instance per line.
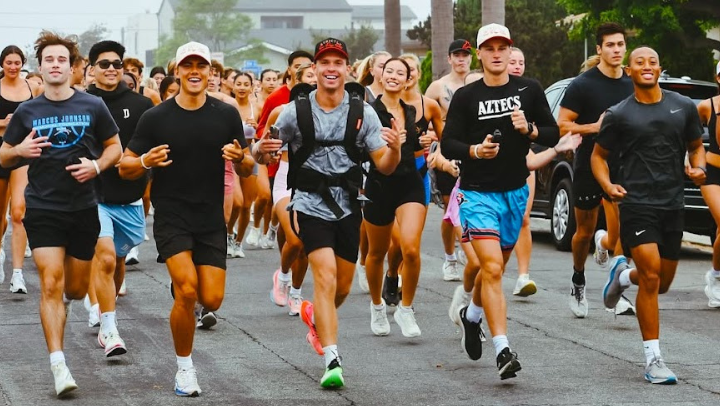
(497, 137)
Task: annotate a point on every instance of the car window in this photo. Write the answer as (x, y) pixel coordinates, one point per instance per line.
(697, 93)
(553, 96)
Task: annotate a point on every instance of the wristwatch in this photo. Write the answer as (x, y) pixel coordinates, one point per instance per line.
(531, 128)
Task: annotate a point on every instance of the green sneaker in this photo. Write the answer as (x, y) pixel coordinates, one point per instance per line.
(333, 379)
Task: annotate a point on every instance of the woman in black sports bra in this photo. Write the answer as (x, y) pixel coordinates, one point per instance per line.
(709, 111)
(13, 91)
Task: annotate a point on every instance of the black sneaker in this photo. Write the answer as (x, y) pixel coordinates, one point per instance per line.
(507, 364)
(471, 336)
(390, 291)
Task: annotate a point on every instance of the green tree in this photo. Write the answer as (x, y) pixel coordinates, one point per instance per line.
(674, 28)
(87, 39)
(215, 23)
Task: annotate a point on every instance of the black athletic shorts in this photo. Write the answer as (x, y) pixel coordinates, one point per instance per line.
(77, 231)
(386, 194)
(343, 236)
(646, 224)
(713, 175)
(586, 191)
(444, 182)
(208, 247)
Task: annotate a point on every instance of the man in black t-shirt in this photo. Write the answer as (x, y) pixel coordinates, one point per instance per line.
(68, 137)
(187, 140)
(651, 133)
(581, 109)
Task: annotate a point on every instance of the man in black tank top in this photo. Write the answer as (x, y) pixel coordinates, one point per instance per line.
(651, 131)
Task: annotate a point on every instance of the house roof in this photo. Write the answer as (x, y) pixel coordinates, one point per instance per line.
(378, 13)
(285, 5)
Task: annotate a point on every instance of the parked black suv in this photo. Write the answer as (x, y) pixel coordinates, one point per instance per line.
(553, 191)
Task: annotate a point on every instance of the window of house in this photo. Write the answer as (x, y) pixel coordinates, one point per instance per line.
(281, 22)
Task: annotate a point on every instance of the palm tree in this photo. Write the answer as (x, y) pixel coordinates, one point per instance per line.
(493, 11)
(392, 27)
(442, 29)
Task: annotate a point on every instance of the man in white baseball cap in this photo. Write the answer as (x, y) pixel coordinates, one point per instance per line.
(490, 31)
(192, 48)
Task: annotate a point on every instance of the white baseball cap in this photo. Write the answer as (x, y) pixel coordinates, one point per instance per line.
(190, 49)
(490, 31)
(717, 69)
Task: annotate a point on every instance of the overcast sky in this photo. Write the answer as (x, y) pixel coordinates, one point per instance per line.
(22, 22)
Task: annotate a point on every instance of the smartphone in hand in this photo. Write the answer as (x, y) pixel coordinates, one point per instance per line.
(497, 137)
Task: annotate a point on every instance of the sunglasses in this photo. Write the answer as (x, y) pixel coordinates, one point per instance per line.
(104, 64)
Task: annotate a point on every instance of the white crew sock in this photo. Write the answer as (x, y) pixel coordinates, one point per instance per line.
(715, 274)
(295, 292)
(474, 313)
(274, 227)
(331, 352)
(625, 281)
(108, 323)
(56, 358)
(285, 277)
(17, 271)
(500, 343)
(184, 362)
(450, 257)
(652, 350)
(379, 307)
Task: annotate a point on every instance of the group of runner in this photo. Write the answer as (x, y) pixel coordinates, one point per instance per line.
(341, 180)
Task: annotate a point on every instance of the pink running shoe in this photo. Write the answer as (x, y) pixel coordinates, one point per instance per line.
(306, 314)
(279, 293)
(295, 305)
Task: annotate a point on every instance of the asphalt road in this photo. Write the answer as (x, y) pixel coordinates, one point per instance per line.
(257, 354)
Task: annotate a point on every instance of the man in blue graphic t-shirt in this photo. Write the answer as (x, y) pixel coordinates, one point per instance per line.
(68, 138)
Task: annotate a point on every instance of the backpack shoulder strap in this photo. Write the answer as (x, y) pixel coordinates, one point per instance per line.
(301, 96)
(354, 120)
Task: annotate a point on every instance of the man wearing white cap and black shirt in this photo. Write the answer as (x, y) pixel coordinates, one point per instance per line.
(490, 125)
(187, 141)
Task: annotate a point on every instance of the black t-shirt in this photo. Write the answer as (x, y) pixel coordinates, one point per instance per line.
(407, 163)
(651, 140)
(477, 110)
(589, 95)
(77, 127)
(191, 189)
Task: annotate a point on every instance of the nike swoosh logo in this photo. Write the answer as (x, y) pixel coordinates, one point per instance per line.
(522, 88)
(674, 111)
(639, 232)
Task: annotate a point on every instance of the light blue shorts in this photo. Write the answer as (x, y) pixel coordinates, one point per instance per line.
(124, 223)
(492, 215)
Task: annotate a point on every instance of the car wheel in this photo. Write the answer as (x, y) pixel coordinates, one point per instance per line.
(562, 222)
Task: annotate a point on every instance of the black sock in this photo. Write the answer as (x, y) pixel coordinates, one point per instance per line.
(578, 278)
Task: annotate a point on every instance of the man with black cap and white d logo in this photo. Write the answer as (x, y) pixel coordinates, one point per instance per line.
(325, 175)
(187, 141)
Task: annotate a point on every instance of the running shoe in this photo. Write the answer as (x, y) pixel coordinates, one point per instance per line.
(333, 378)
(238, 249)
(405, 318)
(186, 384)
(613, 289)
(524, 286)
(471, 341)
(123, 289)
(507, 364)
(280, 290)
(459, 301)
(94, 316)
(712, 288)
(64, 381)
(2, 265)
(379, 323)
(266, 243)
(272, 233)
(657, 372)
(146, 237)
(132, 256)
(601, 254)
(450, 271)
(390, 291)
(28, 251)
(17, 283)
(306, 314)
(578, 302)
(362, 278)
(460, 255)
(253, 238)
(230, 246)
(295, 305)
(206, 320)
(112, 343)
(624, 307)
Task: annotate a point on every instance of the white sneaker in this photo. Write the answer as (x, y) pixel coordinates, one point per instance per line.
(295, 305)
(17, 283)
(265, 243)
(624, 307)
(362, 278)
(450, 271)
(94, 316)
(2, 265)
(64, 382)
(112, 343)
(239, 253)
(524, 286)
(132, 256)
(601, 254)
(460, 255)
(406, 320)
(379, 323)
(459, 301)
(186, 382)
(230, 246)
(253, 238)
(578, 302)
(146, 238)
(123, 289)
(712, 289)
(28, 251)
